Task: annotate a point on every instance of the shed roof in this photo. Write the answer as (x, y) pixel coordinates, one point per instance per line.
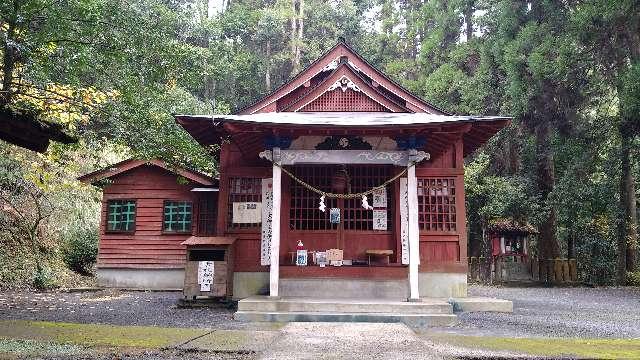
(126, 165)
(512, 226)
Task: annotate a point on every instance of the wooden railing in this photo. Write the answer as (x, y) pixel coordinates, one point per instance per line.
(555, 271)
(552, 271)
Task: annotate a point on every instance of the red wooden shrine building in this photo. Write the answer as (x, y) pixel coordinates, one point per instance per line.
(341, 126)
(147, 212)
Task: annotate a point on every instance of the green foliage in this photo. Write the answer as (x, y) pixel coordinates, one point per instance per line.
(80, 249)
(633, 278)
(44, 278)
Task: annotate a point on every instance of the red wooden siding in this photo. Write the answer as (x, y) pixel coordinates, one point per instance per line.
(148, 246)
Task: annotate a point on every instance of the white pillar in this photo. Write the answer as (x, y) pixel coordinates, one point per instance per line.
(414, 230)
(274, 269)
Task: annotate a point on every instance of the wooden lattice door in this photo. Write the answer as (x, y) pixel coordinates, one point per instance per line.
(207, 214)
(355, 233)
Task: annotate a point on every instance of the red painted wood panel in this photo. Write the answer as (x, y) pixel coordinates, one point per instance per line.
(148, 247)
(440, 251)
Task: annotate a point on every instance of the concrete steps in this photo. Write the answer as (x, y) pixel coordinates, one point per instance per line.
(421, 320)
(299, 304)
(298, 309)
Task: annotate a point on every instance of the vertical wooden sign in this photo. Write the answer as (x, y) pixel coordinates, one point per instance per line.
(267, 213)
(404, 221)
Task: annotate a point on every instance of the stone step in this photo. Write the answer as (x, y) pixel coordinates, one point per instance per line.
(419, 320)
(354, 306)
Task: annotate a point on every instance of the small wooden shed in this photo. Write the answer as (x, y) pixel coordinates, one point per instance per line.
(209, 267)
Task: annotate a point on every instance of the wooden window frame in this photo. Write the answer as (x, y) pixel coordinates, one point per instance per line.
(164, 207)
(211, 216)
(255, 183)
(107, 218)
(437, 212)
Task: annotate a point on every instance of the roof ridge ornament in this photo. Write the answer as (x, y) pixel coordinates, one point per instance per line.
(344, 83)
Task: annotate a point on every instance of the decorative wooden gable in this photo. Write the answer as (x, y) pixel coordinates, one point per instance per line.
(346, 100)
(341, 80)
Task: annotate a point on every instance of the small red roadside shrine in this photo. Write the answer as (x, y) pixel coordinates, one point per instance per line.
(343, 127)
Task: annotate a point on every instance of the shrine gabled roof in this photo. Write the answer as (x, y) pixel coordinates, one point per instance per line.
(301, 84)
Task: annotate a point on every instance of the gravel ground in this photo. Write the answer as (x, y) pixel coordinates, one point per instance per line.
(115, 308)
(557, 312)
(538, 312)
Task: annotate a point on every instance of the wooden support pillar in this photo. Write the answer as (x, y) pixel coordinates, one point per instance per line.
(414, 229)
(274, 269)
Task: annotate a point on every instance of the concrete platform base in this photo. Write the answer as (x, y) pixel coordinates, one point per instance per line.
(143, 279)
(429, 312)
(478, 304)
(344, 288)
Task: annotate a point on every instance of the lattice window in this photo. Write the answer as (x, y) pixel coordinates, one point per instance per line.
(207, 215)
(304, 213)
(364, 178)
(437, 204)
(349, 100)
(121, 216)
(177, 216)
(242, 189)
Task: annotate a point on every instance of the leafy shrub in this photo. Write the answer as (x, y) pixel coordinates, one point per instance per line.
(43, 279)
(633, 278)
(80, 250)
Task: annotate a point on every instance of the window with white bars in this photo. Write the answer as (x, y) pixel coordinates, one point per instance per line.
(437, 204)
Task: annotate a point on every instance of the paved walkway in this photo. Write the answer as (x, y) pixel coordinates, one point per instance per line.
(348, 341)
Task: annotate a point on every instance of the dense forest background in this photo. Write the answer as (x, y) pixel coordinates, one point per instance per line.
(112, 73)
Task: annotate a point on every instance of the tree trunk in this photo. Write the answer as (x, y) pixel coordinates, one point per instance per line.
(628, 238)
(571, 252)
(297, 28)
(267, 72)
(548, 245)
(468, 18)
(8, 63)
